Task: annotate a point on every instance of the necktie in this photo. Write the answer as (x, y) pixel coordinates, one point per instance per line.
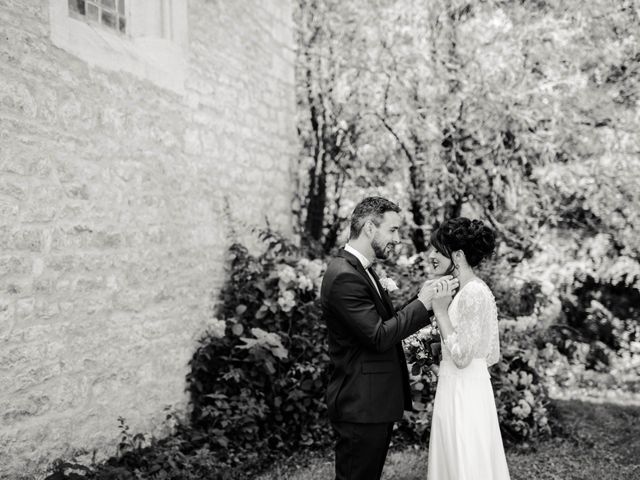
(374, 279)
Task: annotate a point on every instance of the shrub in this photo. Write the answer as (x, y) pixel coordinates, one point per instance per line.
(594, 288)
(184, 455)
(258, 377)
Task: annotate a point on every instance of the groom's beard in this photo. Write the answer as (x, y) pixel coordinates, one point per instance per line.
(380, 250)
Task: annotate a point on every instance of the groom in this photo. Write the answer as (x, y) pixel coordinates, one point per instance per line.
(369, 385)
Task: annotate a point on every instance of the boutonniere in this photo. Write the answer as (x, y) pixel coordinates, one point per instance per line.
(388, 284)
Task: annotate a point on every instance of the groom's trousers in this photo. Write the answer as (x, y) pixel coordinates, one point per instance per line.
(361, 449)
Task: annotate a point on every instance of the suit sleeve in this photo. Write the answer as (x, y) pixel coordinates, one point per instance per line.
(351, 300)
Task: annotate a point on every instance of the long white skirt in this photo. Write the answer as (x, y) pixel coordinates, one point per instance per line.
(465, 442)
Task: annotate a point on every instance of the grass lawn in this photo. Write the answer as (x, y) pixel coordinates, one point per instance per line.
(600, 441)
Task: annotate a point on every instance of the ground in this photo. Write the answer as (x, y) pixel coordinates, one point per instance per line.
(598, 440)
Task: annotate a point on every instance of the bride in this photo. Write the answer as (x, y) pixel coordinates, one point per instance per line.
(465, 440)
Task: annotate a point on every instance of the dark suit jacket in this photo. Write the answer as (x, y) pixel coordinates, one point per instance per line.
(369, 380)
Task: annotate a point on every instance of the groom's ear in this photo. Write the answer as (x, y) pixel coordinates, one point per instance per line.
(369, 228)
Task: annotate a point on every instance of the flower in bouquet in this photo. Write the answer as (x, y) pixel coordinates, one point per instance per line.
(423, 349)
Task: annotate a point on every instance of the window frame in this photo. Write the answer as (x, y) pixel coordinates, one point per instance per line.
(157, 57)
(98, 4)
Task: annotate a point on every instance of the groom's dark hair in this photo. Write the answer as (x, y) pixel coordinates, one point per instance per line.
(371, 208)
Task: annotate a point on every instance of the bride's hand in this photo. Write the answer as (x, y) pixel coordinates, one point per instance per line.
(441, 287)
(440, 305)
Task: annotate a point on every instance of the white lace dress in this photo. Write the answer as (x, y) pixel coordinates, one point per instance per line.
(465, 442)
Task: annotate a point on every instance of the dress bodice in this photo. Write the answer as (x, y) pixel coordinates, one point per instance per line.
(474, 318)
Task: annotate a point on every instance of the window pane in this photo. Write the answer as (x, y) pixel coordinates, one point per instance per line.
(104, 12)
(92, 12)
(108, 19)
(76, 6)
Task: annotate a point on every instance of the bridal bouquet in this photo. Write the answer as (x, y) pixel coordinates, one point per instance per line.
(422, 349)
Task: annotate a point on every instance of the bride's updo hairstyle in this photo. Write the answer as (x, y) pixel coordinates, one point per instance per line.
(473, 237)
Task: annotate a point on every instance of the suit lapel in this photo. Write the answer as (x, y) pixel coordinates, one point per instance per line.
(382, 299)
(383, 292)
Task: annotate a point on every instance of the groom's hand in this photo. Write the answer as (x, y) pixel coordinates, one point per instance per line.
(441, 287)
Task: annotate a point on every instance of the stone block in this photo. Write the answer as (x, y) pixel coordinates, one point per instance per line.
(9, 210)
(17, 98)
(23, 408)
(7, 319)
(46, 309)
(11, 190)
(192, 143)
(14, 265)
(28, 239)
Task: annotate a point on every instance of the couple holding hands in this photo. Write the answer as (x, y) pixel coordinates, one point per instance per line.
(369, 385)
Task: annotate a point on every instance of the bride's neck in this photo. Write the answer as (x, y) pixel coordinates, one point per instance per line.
(465, 275)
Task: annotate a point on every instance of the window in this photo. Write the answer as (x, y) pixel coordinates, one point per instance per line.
(109, 13)
(147, 38)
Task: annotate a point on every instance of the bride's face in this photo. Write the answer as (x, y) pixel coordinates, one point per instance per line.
(437, 262)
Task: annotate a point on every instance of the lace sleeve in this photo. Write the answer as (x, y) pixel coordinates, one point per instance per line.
(470, 335)
(493, 350)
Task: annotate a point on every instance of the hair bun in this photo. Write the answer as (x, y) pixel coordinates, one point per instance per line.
(473, 237)
(476, 226)
(484, 240)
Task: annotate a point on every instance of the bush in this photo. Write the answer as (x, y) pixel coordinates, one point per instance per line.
(258, 378)
(184, 455)
(595, 289)
(522, 395)
(602, 315)
(525, 310)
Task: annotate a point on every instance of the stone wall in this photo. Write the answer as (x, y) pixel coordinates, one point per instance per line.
(112, 218)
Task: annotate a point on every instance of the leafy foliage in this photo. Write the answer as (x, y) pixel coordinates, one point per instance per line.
(467, 106)
(263, 394)
(184, 455)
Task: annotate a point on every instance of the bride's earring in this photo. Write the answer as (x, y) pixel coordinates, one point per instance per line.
(456, 264)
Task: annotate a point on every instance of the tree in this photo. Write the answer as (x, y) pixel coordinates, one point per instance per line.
(470, 101)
